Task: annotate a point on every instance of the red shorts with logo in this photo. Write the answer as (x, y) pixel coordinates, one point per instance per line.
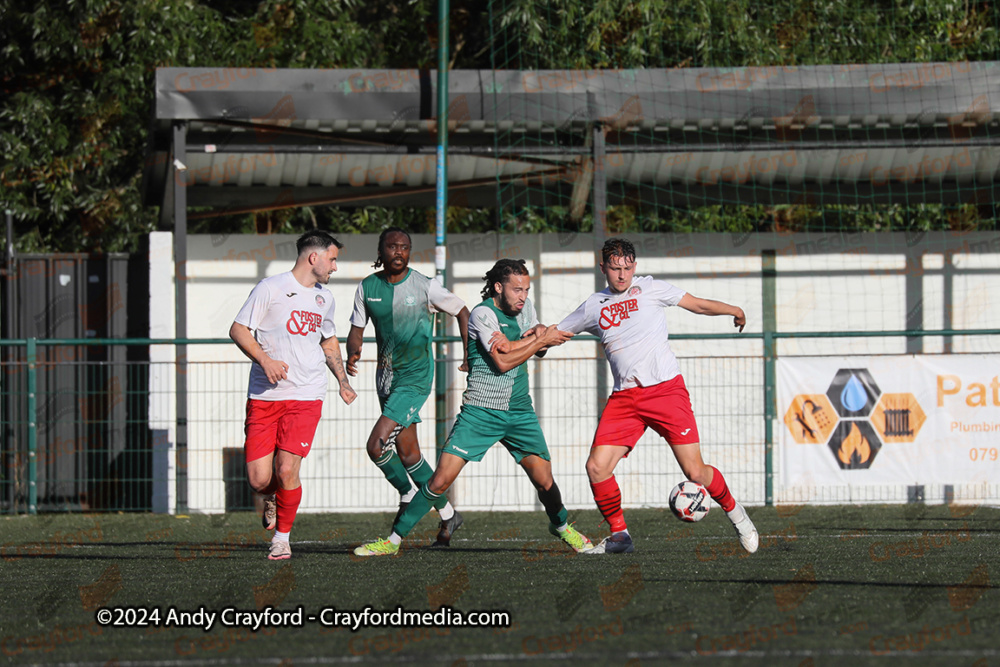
(664, 407)
(287, 425)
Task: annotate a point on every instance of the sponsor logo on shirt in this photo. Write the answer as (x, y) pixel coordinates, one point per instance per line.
(371, 298)
(613, 314)
(303, 322)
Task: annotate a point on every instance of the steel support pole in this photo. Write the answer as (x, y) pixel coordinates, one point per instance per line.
(180, 314)
(441, 219)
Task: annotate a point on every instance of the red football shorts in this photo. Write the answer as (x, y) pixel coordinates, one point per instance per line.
(287, 425)
(664, 407)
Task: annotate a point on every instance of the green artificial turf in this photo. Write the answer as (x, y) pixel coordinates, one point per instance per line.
(829, 585)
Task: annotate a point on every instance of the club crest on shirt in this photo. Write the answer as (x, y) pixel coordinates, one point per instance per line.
(410, 300)
(635, 289)
(320, 301)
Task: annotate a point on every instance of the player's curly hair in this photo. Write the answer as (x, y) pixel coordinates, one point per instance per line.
(503, 269)
(617, 248)
(381, 242)
(316, 239)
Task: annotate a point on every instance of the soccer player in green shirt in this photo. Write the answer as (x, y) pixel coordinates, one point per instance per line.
(496, 407)
(401, 304)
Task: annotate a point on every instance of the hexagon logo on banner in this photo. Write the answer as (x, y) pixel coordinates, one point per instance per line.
(898, 418)
(854, 444)
(810, 419)
(853, 392)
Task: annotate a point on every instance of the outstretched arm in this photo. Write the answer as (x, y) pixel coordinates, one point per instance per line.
(710, 307)
(331, 350)
(515, 353)
(274, 370)
(536, 330)
(354, 340)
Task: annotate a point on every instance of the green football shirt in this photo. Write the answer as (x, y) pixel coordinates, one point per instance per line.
(488, 387)
(403, 319)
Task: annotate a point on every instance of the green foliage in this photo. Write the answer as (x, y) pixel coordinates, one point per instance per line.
(637, 34)
(77, 86)
(77, 80)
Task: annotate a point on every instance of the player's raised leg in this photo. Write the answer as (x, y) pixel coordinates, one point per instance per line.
(539, 471)
(608, 496)
(261, 428)
(695, 469)
(296, 430)
(444, 476)
(420, 471)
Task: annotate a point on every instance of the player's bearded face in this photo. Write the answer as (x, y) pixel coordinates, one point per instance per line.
(619, 271)
(326, 264)
(513, 294)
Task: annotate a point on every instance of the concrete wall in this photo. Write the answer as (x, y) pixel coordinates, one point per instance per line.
(835, 282)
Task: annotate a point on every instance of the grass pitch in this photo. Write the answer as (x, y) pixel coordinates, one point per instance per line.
(829, 585)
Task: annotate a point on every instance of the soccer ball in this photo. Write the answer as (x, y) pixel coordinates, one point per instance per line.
(689, 501)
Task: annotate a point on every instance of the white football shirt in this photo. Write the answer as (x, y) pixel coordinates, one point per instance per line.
(289, 321)
(633, 329)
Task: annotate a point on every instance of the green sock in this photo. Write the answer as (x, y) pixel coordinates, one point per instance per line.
(553, 504)
(421, 473)
(415, 511)
(394, 471)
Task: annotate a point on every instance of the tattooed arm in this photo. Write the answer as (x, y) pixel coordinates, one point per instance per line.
(331, 349)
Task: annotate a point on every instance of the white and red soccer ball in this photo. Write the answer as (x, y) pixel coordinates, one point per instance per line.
(689, 501)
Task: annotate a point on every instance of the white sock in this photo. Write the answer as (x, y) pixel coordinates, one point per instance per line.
(622, 531)
(446, 512)
(562, 527)
(280, 537)
(408, 496)
(395, 539)
(737, 514)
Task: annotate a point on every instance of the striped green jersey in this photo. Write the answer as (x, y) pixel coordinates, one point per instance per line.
(403, 319)
(488, 387)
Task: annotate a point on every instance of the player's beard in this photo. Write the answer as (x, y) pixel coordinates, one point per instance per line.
(507, 307)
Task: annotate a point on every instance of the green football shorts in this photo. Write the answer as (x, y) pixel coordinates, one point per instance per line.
(477, 429)
(403, 404)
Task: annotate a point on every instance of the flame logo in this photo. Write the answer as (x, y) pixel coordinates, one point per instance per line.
(855, 450)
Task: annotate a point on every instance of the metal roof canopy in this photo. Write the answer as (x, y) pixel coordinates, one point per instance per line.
(258, 139)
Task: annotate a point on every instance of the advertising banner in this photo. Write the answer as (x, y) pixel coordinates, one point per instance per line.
(861, 421)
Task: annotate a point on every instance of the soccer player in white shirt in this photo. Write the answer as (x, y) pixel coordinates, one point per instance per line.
(286, 329)
(649, 390)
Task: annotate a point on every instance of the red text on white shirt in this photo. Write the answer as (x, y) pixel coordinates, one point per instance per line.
(303, 322)
(613, 314)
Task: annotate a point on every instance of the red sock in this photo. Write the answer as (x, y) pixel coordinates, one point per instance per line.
(719, 491)
(608, 497)
(288, 506)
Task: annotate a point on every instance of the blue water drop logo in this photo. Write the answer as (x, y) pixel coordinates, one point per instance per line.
(854, 397)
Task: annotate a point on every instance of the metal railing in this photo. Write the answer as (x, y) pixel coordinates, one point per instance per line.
(90, 425)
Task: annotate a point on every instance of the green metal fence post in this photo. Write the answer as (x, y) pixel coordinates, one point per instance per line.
(440, 256)
(32, 357)
(769, 325)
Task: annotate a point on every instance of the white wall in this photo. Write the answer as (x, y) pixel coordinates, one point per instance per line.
(825, 283)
